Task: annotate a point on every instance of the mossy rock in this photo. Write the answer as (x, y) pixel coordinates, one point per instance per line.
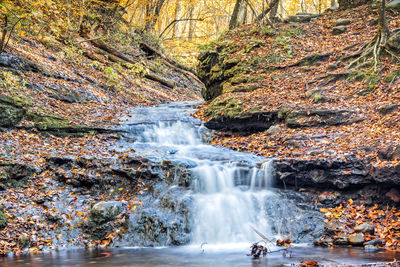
(240, 88)
(44, 122)
(11, 111)
(228, 107)
(3, 217)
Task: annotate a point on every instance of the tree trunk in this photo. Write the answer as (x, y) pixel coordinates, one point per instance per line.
(234, 22)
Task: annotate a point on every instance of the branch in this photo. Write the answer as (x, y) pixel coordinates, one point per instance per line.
(265, 12)
(175, 21)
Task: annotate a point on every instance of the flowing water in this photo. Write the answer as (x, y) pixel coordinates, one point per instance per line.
(226, 194)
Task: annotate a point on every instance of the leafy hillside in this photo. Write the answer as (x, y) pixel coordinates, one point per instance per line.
(291, 92)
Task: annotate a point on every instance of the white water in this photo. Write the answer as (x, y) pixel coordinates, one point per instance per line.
(230, 189)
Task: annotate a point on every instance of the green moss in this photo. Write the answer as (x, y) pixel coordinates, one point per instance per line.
(392, 77)
(45, 122)
(240, 88)
(267, 31)
(3, 217)
(228, 107)
(283, 113)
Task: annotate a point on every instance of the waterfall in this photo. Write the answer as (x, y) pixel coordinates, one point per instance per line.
(228, 200)
(231, 191)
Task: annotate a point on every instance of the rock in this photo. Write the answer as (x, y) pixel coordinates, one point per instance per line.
(365, 228)
(387, 109)
(341, 240)
(319, 117)
(342, 22)
(104, 212)
(101, 219)
(339, 30)
(394, 195)
(274, 129)
(356, 239)
(374, 242)
(394, 5)
(333, 227)
(3, 217)
(322, 173)
(317, 96)
(394, 42)
(13, 174)
(23, 240)
(302, 17)
(11, 111)
(66, 94)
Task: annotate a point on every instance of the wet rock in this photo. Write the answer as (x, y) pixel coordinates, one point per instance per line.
(13, 174)
(102, 217)
(394, 5)
(356, 239)
(333, 227)
(394, 195)
(3, 217)
(324, 173)
(387, 109)
(341, 240)
(365, 228)
(341, 22)
(374, 242)
(104, 212)
(53, 217)
(23, 240)
(339, 30)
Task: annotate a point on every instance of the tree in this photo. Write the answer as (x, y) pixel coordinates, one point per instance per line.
(237, 14)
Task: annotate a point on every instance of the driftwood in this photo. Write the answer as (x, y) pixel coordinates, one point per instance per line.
(151, 51)
(119, 57)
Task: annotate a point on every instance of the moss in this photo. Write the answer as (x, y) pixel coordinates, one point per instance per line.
(392, 77)
(45, 122)
(370, 77)
(240, 88)
(228, 107)
(283, 113)
(245, 79)
(3, 217)
(267, 31)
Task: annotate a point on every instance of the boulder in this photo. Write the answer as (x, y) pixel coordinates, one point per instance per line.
(102, 219)
(356, 239)
(339, 30)
(342, 22)
(302, 17)
(105, 211)
(374, 242)
(394, 5)
(341, 240)
(365, 228)
(394, 42)
(274, 129)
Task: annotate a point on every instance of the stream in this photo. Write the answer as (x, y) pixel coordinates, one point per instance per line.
(205, 214)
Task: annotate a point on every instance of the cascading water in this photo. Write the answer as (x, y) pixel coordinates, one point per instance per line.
(229, 199)
(229, 192)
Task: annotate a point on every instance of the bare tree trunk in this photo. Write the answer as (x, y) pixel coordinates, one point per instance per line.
(3, 34)
(176, 29)
(234, 22)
